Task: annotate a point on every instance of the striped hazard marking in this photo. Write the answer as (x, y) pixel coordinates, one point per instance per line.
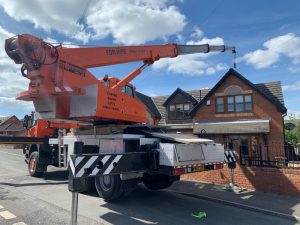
(7, 215)
(81, 163)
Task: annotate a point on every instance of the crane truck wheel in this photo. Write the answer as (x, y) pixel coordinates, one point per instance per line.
(157, 181)
(109, 187)
(35, 169)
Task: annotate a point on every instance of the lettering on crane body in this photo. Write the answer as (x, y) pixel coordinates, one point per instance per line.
(72, 68)
(120, 51)
(111, 102)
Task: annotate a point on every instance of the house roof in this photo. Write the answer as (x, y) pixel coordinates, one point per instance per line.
(12, 127)
(189, 97)
(3, 119)
(198, 94)
(159, 101)
(148, 102)
(271, 91)
(6, 124)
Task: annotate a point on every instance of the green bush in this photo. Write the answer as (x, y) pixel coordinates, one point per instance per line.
(292, 136)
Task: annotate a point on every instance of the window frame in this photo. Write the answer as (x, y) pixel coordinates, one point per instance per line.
(234, 103)
(172, 115)
(223, 99)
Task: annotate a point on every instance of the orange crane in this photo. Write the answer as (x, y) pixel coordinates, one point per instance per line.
(61, 87)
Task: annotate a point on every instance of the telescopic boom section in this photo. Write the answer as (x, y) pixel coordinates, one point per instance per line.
(105, 56)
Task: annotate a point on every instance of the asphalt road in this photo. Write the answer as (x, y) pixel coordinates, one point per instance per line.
(25, 200)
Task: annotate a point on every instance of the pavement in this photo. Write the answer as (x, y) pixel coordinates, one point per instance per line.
(25, 200)
(268, 203)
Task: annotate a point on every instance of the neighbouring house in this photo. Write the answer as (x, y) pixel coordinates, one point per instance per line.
(236, 112)
(11, 126)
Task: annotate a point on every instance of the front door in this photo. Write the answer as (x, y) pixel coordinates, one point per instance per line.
(248, 148)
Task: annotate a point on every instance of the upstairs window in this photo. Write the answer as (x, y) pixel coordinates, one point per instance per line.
(237, 103)
(179, 111)
(220, 104)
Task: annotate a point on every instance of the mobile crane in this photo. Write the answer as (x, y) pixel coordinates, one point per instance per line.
(62, 88)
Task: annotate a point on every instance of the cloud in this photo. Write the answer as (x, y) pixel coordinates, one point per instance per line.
(292, 87)
(11, 102)
(195, 64)
(142, 20)
(12, 82)
(66, 44)
(127, 22)
(197, 33)
(287, 45)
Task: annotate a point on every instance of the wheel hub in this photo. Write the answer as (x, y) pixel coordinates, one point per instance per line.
(105, 182)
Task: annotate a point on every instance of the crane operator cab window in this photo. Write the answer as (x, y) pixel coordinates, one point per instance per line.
(128, 90)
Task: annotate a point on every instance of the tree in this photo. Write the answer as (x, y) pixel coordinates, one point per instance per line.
(292, 133)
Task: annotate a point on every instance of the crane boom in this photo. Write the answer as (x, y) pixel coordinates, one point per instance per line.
(62, 87)
(112, 55)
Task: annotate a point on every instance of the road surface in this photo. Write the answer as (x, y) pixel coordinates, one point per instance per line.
(25, 200)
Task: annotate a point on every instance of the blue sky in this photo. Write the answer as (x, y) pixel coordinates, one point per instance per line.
(267, 37)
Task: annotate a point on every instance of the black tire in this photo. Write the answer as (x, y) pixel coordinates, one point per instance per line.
(157, 181)
(35, 169)
(109, 187)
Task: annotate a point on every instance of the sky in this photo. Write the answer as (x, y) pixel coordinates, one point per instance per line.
(267, 38)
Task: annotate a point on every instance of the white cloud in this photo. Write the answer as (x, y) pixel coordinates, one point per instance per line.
(66, 44)
(197, 33)
(142, 20)
(128, 21)
(16, 104)
(292, 87)
(12, 82)
(286, 45)
(211, 41)
(193, 65)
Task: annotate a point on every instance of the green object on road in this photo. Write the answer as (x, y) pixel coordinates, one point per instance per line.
(200, 215)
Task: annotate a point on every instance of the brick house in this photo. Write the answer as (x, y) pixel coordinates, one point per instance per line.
(236, 112)
(11, 126)
(245, 116)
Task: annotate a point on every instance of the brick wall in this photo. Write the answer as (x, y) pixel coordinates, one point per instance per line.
(281, 181)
